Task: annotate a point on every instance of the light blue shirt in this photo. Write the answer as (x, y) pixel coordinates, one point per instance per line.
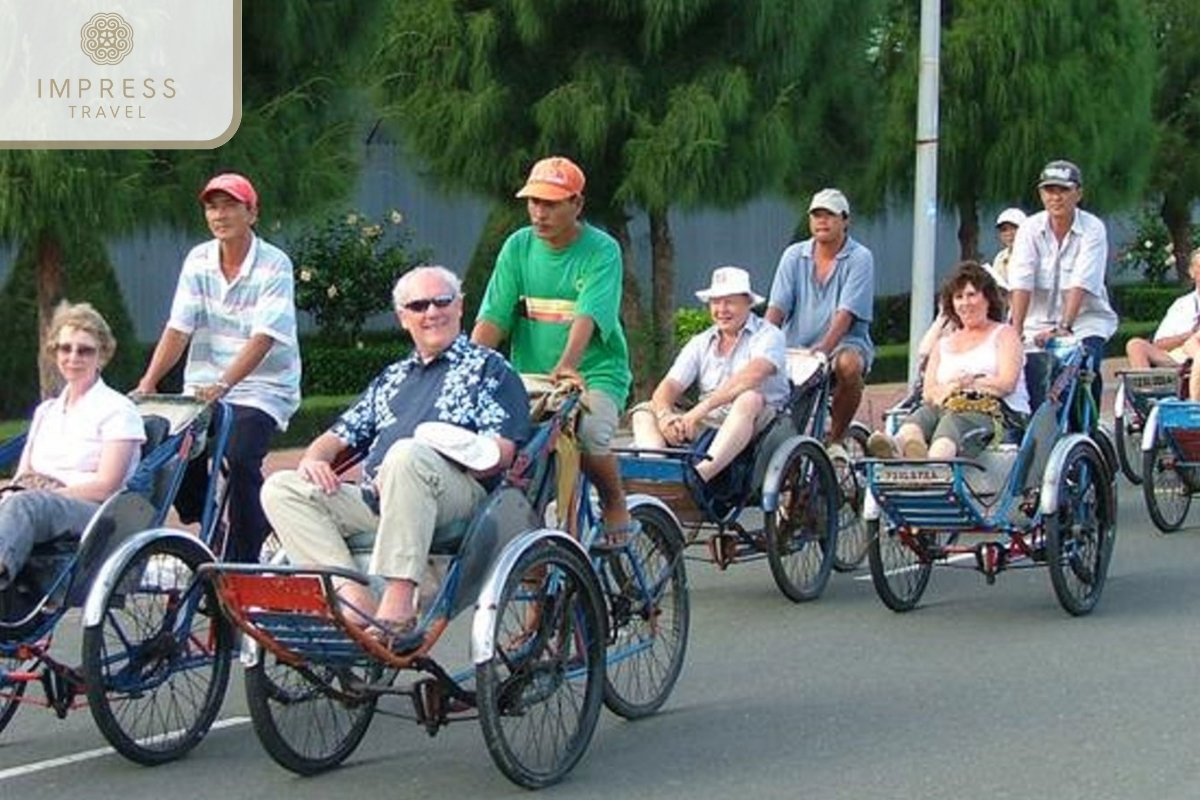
(221, 315)
(700, 361)
(809, 306)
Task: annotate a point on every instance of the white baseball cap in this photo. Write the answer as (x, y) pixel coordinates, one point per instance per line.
(1010, 216)
(830, 200)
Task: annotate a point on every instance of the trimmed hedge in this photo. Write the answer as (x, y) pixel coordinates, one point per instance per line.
(330, 370)
(313, 418)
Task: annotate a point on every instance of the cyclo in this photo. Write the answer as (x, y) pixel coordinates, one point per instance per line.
(155, 659)
(1048, 500)
(562, 622)
(1170, 454)
(784, 471)
(1137, 392)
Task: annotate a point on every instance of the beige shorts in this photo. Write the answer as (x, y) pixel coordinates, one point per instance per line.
(598, 424)
(716, 418)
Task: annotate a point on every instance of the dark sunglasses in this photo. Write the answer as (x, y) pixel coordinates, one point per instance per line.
(422, 305)
(66, 349)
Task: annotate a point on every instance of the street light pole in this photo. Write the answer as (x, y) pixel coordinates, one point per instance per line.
(925, 207)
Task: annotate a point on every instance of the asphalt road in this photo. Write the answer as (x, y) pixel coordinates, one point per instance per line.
(983, 692)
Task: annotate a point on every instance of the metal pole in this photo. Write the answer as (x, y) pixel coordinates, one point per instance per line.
(925, 208)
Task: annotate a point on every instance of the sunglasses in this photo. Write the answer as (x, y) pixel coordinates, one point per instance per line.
(66, 349)
(422, 305)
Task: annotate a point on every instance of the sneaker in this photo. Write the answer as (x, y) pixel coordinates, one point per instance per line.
(880, 445)
(915, 448)
(837, 452)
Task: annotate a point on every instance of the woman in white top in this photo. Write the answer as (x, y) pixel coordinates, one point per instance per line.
(83, 445)
(974, 379)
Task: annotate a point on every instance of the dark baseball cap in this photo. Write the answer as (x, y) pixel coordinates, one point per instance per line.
(1060, 173)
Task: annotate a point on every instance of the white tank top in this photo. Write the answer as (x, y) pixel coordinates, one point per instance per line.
(982, 360)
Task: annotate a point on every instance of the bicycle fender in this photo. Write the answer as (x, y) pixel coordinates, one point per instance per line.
(483, 624)
(1150, 431)
(110, 570)
(633, 501)
(1054, 467)
(774, 473)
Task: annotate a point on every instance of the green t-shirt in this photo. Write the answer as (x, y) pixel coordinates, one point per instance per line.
(536, 292)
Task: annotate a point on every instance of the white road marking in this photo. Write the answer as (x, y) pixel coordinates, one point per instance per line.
(88, 755)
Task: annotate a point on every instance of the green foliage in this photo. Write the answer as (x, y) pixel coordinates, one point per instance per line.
(345, 267)
(1021, 83)
(89, 277)
(333, 369)
(503, 219)
(314, 417)
(1143, 302)
(688, 323)
(1150, 251)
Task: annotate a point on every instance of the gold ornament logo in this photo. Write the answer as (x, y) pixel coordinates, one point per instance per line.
(106, 39)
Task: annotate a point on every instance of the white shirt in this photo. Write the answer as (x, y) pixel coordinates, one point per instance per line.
(699, 360)
(66, 443)
(1039, 263)
(1181, 317)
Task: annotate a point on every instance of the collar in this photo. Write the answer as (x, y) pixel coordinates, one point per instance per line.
(753, 323)
(454, 353)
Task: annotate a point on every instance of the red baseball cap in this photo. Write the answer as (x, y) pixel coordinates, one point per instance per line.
(236, 186)
(553, 179)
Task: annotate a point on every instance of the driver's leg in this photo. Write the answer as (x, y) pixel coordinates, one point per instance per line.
(596, 430)
(848, 384)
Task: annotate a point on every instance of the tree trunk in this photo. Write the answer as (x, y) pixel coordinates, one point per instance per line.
(1177, 217)
(968, 230)
(662, 259)
(50, 280)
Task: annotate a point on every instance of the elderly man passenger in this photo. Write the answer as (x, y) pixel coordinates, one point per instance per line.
(739, 366)
(409, 488)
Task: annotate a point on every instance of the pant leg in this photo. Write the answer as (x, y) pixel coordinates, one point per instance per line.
(248, 442)
(1094, 345)
(30, 517)
(418, 491)
(313, 525)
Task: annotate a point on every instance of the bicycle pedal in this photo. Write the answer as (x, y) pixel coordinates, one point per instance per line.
(429, 702)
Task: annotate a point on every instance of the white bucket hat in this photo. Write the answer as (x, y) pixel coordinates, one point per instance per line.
(728, 281)
(472, 450)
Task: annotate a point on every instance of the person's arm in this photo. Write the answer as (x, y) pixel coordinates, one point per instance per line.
(666, 418)
(1088, 275)
(1022, 264)
(933, 392)
(582, 328)
(839, 327)
(750, 377)
(171, 346)
(487, 333)
(115, 457)
(932, 335)
(774, 316)
(248, 358)
(316, 464)
(1010, 361)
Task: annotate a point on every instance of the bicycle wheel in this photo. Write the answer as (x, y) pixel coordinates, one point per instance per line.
(11, 691)
(852, 533)
(157, 665)
(1080, 534)
(1129, 450)
(802, 531)
(539, 695)
(1167, 492)
(900, 571)
(648, 616)
(310, 719)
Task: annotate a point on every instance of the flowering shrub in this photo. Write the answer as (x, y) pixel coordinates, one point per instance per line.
(345, 268)
(1150, 250)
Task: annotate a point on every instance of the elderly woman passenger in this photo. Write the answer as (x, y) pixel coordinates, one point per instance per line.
(974, 380)
(83, 445)
(738, 364)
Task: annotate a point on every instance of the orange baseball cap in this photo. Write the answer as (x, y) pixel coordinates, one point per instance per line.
(236, 186)
(555, 178)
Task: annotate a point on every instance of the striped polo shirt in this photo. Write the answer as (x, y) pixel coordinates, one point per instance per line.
(221, 315)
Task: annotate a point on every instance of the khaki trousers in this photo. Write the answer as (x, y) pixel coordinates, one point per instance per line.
(419, 490)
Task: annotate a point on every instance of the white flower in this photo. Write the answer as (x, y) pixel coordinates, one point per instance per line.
(352, 218)
(1170, 247)
(372, 231)
(332, 291)
(1148, 244)
(396, 216)
(1169, 261)
(306, 274)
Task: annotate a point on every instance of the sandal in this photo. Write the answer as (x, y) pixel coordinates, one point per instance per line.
(618, 537)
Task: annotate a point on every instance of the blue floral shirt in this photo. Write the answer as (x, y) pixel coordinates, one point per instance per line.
(467, 385)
